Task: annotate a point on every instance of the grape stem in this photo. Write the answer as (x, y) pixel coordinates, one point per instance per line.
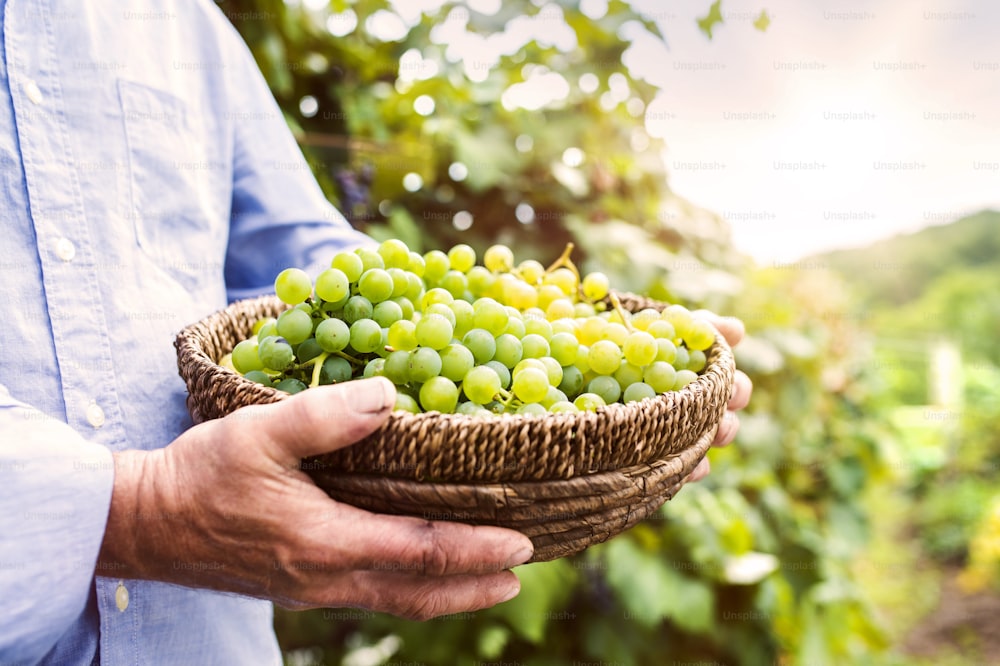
(617, 305)
(565, 261)
(318, 368)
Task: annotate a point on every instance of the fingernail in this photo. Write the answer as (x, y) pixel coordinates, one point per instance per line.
(372, 396)
(520, 557)
(510, 594)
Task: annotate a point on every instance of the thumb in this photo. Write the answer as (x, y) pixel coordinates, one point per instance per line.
(326, 418)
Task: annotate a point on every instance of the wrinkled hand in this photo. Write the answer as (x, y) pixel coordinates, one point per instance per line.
(732, 330)
(226, 507)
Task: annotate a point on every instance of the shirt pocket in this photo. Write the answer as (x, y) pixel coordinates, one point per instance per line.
(180, 191)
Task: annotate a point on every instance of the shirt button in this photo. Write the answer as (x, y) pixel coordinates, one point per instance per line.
(95, 415)
(33, 92)
(65, 249)
(121, 596)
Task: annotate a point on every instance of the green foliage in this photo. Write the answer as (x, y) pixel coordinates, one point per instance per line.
(748, 567)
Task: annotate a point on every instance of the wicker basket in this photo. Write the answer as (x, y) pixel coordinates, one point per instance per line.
(566, 480)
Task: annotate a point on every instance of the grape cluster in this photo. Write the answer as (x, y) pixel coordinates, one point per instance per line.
(457, 337)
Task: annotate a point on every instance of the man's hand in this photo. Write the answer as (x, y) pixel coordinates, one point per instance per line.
(732, 330)
(226, 507)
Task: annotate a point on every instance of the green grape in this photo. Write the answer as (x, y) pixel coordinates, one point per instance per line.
(394, 253)
(563, 406)
(435, 295)
(680, 318)
(665, 350)
(534, 346)
(572, 380)
(275, 353)
(499, 259)
(455, 283)
(531, 271)
(376, 285)
(682, 358)
(415, 287)
(405, 305)
(627, 374)
(564, 325)
(532, 409)
(606, 387)
(515, 327)
(553, 370)
(406, 403)
(660, 375)
(245, 358)
(400, 281)
(640, 348)
(662, 329)
(462, 257)
(374, 368)
(436, 265)
(443, 309)
(503, 372)
(562, 347)
(295, 326)
(616, 333)
(424, 364)
(642, 319)
(589, 402)
(548, 293)
(333, 308)
(464, 316)
(604, 358)
(387, 313)
(530, 385)
(470, 408)
(508, 350)
(480, 280)
(596, 286)
(490, 315)
(529, 363)
(260, 323)
(332, 285)
(439, 394)
(538, 326)
(357, 307)
(697, 361)
(350, 264)
(638, 391)
(481, 343)
(416, 264)
(369, 259)
(561, 308)
(434, 331)
(700, 335)
(456, 361)
(291, 385)
(333, 335)
(366, 335)
(481, 384)
(583, 310)
(308, 350)
(335, 370)
(397, 367)
(402, 335)
(563, 278)
(521, 295)
(259, 377)
(684, 377)
(582, 362)
(293, 286)
(592, 330)
(553, 396)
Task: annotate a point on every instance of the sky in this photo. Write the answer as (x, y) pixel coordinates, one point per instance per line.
(845, 122)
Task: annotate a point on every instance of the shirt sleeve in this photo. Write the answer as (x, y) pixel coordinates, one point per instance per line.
(280, 216)
(55, 492)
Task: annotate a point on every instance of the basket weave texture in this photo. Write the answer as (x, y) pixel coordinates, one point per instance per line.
(565, 480)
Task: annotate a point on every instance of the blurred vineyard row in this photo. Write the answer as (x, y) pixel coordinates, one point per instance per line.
(523, 127)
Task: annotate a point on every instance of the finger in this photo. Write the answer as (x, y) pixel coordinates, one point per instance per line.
(728, 428)
(420, 598)
(359, 539)
(732, 329)
(742, 388)
(700, 472)
(322, 419)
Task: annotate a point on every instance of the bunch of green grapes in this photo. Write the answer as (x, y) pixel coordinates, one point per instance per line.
(458, 337)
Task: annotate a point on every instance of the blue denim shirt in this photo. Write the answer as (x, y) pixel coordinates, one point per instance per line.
(148, 178)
